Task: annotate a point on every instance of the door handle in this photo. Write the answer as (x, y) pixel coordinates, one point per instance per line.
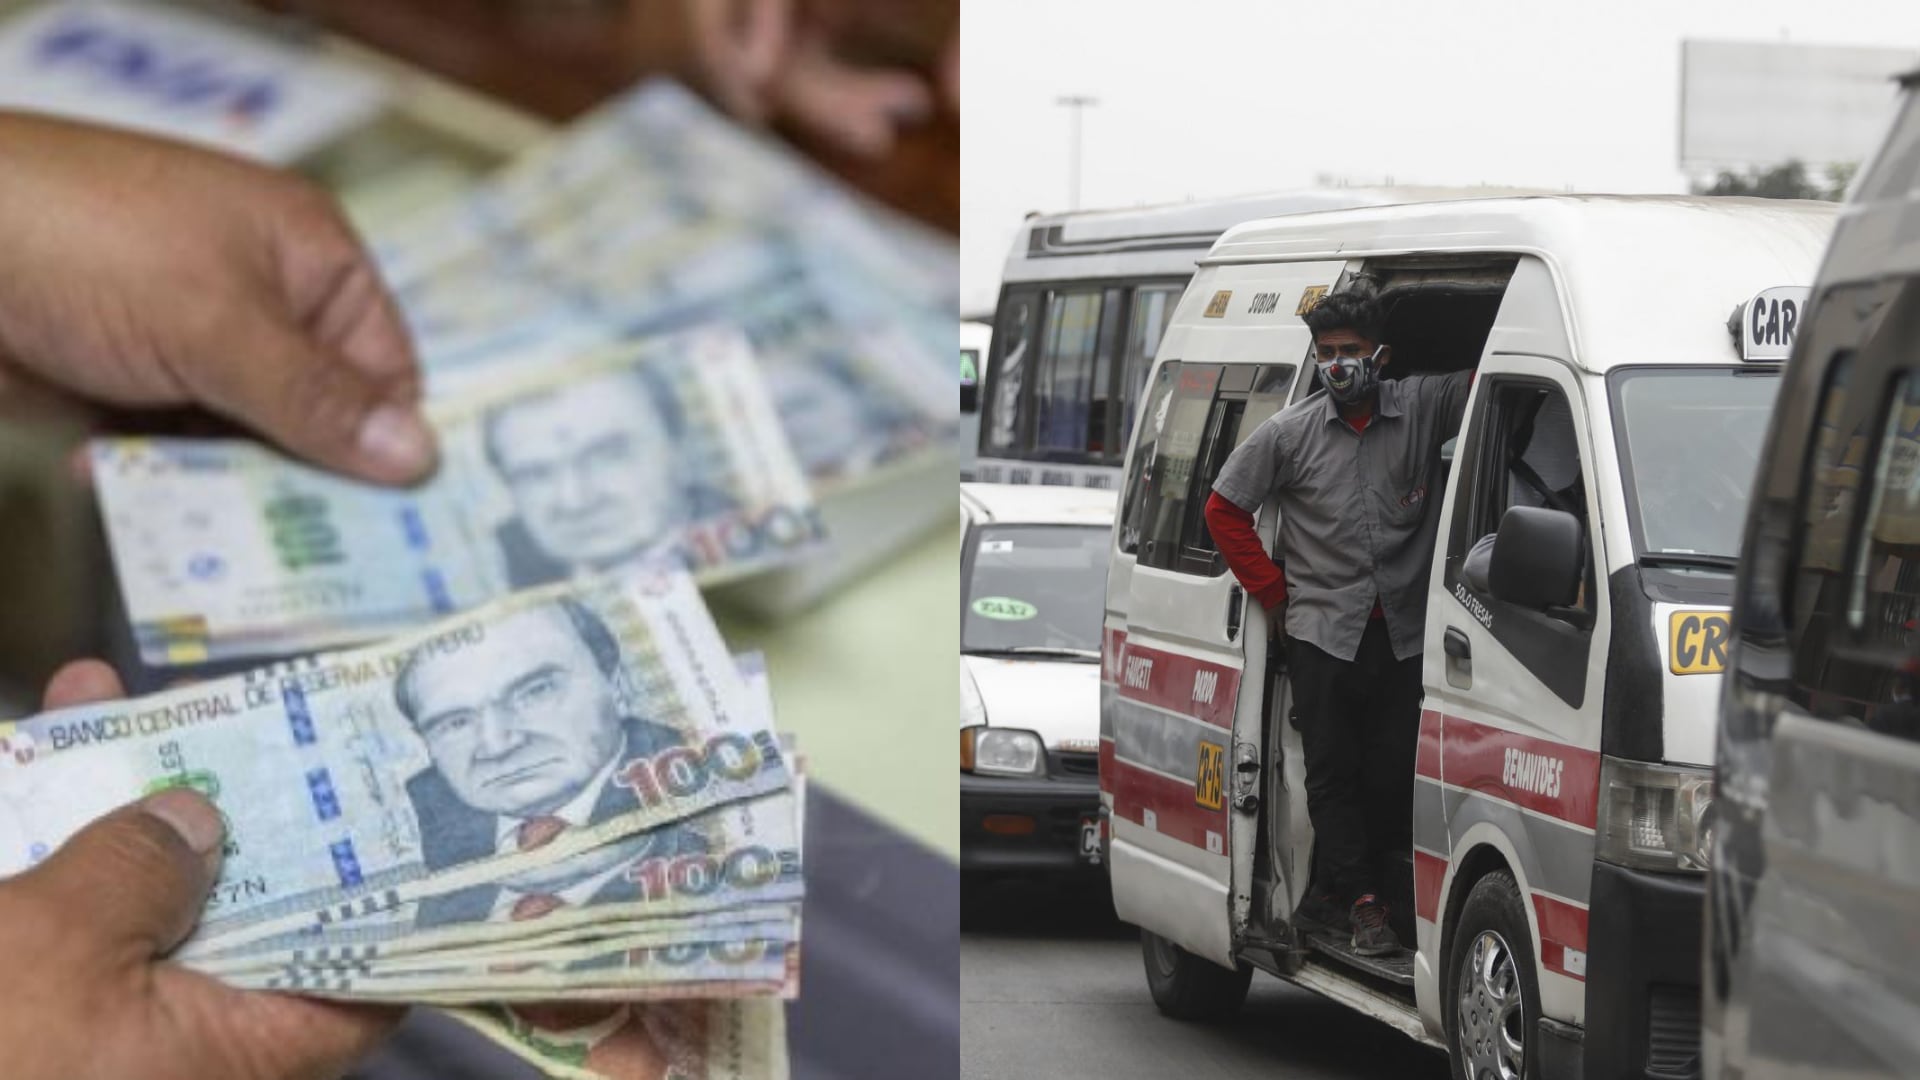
(1236, 607)
(1457, 645)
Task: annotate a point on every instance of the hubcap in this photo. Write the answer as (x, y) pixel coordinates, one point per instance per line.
(1491, 1027)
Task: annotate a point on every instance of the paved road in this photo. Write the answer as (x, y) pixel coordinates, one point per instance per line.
(1051, 986)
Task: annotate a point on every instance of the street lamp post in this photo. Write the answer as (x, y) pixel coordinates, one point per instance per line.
(1078, 103)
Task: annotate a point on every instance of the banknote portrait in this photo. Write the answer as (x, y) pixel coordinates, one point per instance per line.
(594, 472)
(525, 731)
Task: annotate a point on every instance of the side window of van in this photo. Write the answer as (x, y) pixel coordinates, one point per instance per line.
(1140, 471)
(1213, 411)
(1524, 451)
(1866, 669)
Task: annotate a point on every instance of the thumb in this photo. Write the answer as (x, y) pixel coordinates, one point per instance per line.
(276, 379)
(138, 877)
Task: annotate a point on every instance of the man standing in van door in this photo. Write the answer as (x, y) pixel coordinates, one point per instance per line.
(1353, 467)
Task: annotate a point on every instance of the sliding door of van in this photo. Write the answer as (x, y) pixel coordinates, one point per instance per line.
(1177, 670)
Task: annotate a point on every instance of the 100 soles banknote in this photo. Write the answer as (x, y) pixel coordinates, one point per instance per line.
(667, 447)
(480, 753)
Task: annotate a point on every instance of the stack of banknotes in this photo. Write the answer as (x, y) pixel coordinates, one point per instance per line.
(555, 814)
(654, 332)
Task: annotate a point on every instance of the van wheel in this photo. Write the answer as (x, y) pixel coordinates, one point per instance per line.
(1188, 987)
(1493, 998)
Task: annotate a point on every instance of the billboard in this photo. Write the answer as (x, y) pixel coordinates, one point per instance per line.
(1746, 103)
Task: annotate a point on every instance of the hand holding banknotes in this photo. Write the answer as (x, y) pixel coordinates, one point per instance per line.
(143, 273)
(86, 993)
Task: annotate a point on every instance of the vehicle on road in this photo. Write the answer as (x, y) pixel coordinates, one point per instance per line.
(1084, 299)
(1552, 896)
(1033, 563)
(1816, 837)
(976, 338)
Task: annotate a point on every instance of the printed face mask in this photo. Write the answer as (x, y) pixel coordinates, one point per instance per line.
(1350, 378)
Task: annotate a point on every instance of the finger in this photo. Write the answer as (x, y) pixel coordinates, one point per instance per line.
(317, 1038)
(858, 111)
(83, 682)
(335, 291)
(305, 397)
(137, 878)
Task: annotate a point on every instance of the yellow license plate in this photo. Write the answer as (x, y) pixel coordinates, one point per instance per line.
(1206, 789)
(1697, 642)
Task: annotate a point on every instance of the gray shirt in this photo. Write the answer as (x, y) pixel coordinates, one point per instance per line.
(1358, 510)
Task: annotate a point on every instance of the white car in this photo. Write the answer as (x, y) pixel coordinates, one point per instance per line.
(1033, 570)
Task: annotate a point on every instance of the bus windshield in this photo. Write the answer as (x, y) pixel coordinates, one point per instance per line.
(1036, 588)
(1689, 445)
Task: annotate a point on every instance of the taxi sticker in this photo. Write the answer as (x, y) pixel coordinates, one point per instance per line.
(1206, 789)
(1312, 295)
(995, 547)
(1217, 307)
(1005, 608)
(1697, 642)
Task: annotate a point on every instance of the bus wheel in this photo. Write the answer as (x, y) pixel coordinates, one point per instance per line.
(1188, 987)
(1493, 999)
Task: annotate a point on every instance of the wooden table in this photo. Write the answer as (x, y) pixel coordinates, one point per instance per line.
(560, 58)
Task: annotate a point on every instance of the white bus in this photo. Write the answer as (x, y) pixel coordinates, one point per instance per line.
(1083, 302)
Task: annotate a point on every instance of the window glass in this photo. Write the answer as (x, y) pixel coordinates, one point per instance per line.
(1146, 325)
(1238, 421)
(1012, 342)
(1140, 471)
(1035, 587)
(1179, 446)
(1531, 458)
(1866, 670)
(1896, 174)
(1690, 445)
(1064, 381)
(1195, 538)
(969, 380)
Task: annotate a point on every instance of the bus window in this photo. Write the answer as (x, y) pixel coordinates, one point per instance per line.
(1064, 388)
(1152, 307)
(1006, 374)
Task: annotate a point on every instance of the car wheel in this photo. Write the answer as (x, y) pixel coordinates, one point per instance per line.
(1493, 996)
(1188, 987)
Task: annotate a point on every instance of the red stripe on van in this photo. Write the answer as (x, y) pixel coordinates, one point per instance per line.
(1426, 760)
(1429, 871)
(1181, 684)
(1563, 926)
(1136, 790)
(1553, 778)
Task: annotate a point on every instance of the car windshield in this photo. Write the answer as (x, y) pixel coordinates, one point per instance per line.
(1035, 587)
(1689, 444)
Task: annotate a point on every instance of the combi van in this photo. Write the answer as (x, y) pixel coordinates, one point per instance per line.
(1627, 353)
(1816, 845)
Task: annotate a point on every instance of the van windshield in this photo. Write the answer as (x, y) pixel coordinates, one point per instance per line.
(1689, 446)
(1037, 589)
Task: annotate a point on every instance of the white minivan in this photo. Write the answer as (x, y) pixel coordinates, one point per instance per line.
(1627, 352)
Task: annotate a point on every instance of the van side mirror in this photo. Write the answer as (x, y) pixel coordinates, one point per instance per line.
(1536, 560)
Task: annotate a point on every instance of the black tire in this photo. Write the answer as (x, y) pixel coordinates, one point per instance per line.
(1475, 1034)
(1188, 987)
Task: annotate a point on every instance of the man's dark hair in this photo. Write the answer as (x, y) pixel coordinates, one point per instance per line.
(1355, 308)
(587, 626)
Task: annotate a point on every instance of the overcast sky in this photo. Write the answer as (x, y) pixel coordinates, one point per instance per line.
(1203, 98)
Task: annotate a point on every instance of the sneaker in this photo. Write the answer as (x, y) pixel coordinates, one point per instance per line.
(1371, 934)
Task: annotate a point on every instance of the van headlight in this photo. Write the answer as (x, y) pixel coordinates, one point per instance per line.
(992, 751)
(1655, 817)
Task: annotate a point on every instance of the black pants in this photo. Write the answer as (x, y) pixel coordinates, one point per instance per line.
(1359, 722)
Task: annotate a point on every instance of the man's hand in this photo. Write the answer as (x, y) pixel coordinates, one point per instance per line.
(84, 994)
(142, 273)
